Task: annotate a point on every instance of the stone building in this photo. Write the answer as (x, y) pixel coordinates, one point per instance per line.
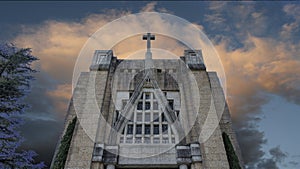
(151, 113)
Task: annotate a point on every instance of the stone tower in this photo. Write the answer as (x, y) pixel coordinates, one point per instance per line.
(151, 113)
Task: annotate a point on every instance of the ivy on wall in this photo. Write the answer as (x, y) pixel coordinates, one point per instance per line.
(65, 143)
(231, 156)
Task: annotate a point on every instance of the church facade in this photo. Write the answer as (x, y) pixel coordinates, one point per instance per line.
(150, 113)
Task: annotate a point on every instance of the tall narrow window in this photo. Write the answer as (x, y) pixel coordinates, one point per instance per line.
(147, 105)
(147, 96)
(130, 129)
(147, 129)
(156, 129)
(155, 106)
(140, 106)
(131, 119)
(147, 117)
(124, 102)
(171, 104)
(163, 117)
(138, 129)
(139, 117)
(117, 115)
(155, 117)
(164, 128)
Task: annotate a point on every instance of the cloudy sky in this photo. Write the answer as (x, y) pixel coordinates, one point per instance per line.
(258, 44)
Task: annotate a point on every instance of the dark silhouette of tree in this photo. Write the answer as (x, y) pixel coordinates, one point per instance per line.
(15, 77)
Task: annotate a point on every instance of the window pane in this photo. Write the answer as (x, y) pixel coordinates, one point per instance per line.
(155, 106)
(164, 128)
(140, 106)
(131, 118)
(171, 104)
(163, 117)
(138, 140)
(129, 140)
(117, 115)
(156, 140)
(142, 96)
(124, 102)
(130, 129)
(147, 95)
(155, 117)
(173, 140)
(147, 105)
(147, 129)
(165, 140)
(138, 129)
(147, 140)
(156, 129)
(147, 117)
(139, 117)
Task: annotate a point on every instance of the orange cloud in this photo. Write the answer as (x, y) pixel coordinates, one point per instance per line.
(57, 43)
(61, 97)
(61, 92)
(263, 65)
(149, 7)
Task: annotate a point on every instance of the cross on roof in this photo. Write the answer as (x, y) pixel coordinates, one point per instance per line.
(148, 37)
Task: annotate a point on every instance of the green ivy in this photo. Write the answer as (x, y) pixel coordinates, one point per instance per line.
(231, 156)
(60, 159)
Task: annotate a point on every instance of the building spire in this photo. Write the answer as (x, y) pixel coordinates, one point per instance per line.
(148, 55)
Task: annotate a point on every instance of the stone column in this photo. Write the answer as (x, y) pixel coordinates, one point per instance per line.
(195, 152)
(111, 156)
(110, 166)
(98, 153)
(183, 166)
(97, 165)
(196, 166)
(183, 155)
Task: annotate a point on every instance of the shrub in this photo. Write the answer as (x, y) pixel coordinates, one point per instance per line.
(61, 157)
(231, 156)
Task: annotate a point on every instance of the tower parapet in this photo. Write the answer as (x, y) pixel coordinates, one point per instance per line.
(101, 60)
(194, 59)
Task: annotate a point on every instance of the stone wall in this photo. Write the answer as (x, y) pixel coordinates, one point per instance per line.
(93, 104)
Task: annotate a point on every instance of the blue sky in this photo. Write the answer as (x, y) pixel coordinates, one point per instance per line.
(258, 43)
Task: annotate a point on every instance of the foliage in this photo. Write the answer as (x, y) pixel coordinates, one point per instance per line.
(60, 159)
(231, 156)
(15, 77)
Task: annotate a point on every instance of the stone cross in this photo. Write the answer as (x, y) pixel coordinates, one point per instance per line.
(148, 37)
(148, 55)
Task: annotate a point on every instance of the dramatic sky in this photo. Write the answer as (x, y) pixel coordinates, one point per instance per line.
(258, 43)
